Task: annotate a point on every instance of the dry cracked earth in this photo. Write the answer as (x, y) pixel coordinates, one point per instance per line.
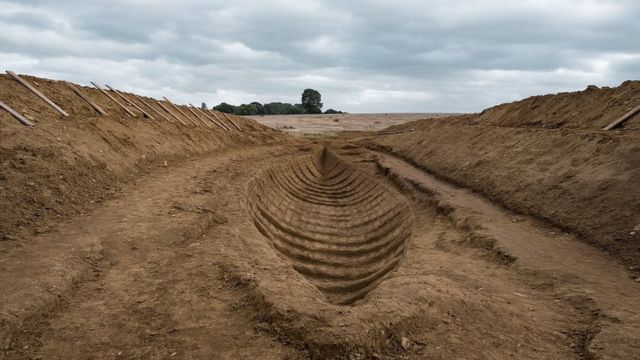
(315, 250)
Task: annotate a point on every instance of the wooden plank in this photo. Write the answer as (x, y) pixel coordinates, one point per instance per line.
(38, 93)
(151, 107)
(394, 132)
(86, 98)
(211, 119)
(144, 113)
(198, 113)
(171, 112)
(220, 120)
(190, 107)
(178, 107)
(114, 99)
(621, 120)
(231, 121)
(180, 111)
(16, 115)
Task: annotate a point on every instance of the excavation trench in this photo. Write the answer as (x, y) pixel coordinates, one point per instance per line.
(337, 226)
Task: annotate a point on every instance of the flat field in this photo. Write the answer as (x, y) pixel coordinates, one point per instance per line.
(321, 123)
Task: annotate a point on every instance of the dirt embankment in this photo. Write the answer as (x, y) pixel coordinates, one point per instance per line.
(62, 167)
(585, 181)
(592, 108)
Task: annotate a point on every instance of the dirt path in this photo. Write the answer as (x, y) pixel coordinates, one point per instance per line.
(579, 273)
(175, 268)
(133, 279)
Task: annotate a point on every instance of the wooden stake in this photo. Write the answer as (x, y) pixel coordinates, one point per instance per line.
(86, 98)
(151, 107)
(196, 115)
(35, 91)
(220, 120)
(16, 115)
(231, 120)
(180, 111)
(144, 113)
(622, 119)
(211, 119)
(114, 100)
(172, 114)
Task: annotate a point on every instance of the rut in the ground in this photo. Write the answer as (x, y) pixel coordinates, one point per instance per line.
(339, 227)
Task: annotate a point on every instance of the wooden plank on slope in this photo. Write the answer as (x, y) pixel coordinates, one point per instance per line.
(190, 107)
(144, 113)
(231, 121)
(38, 93)
(16, 115)
(621, 120)
(151, 107)
(180, 111)
(171, 112)
(86, 98)
(211, 119)
(220, 120)
(114, 99)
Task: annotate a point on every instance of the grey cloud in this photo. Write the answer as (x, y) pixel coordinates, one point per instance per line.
(405, 55)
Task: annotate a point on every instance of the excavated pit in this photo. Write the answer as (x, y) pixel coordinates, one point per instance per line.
(339, 227)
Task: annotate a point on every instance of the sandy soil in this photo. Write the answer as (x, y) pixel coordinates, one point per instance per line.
(592, 108)
(584, 181)
(323, 124)
(126, 238)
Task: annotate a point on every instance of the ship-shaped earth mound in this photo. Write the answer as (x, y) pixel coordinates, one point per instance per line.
(339, 227)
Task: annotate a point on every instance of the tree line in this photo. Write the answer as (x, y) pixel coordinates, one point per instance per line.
(311, 103)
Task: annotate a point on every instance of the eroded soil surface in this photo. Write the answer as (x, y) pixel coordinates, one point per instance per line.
(200, 260)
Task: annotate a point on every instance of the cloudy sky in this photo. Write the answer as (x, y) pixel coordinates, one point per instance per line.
(363, 56)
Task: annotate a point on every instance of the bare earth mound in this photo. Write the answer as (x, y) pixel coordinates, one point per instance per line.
(592, 108)
(576, 177)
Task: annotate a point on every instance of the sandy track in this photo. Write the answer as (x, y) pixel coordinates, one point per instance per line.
(175, 267)
(123, 283)
(579, 273)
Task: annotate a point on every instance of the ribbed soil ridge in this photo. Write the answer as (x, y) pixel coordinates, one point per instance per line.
(340, 228)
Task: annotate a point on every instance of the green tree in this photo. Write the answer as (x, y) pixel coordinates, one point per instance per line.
(298, 109)
(225, 108)
(259, 108)
(245, 109)
(312, 101)
(276, 108)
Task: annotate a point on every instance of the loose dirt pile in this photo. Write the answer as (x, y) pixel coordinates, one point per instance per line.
(585, 181)
(592, 108)
(63, 167)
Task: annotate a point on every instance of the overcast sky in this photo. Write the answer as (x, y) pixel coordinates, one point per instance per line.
(363, 56)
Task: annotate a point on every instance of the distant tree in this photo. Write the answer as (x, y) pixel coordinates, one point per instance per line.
(259, 108)
(331, 111)
(298, 109)
(312, 101)
(225, 108)
(244, 109)
(277, 108)
(203, 106)
(310, 97)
